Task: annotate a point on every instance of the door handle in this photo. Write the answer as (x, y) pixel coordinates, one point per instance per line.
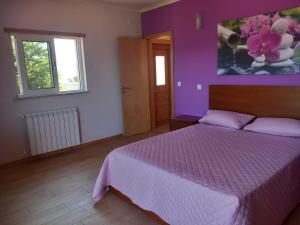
(125, 88)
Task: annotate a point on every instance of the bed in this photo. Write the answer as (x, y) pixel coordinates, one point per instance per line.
(210, 175)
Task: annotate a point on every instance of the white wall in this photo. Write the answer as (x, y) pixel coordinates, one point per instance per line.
(100, 110)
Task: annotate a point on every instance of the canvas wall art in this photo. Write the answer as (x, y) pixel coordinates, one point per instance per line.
(267, 44)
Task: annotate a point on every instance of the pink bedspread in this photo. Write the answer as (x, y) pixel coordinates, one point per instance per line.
(208, 175)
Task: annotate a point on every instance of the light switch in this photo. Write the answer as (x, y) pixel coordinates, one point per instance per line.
(199, 87)
(179, 84)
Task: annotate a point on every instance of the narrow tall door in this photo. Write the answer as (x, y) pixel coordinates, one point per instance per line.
(133, 61)
(161, 63)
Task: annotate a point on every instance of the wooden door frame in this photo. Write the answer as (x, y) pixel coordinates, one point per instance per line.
(153, 39)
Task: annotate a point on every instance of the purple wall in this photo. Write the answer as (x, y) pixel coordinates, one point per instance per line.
(195, 52)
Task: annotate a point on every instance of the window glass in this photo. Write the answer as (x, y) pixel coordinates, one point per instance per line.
(38, 64)
(67, 64)
(14, 51)
(48, 64)
(160, 70)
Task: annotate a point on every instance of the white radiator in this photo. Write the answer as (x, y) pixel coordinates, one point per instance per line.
(52, 130)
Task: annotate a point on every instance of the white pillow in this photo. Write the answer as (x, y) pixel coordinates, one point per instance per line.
(228, 119)
(276, 126)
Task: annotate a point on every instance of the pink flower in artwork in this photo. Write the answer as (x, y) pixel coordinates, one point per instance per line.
(266, 43)
(276, 17)
(294, 27)
(254, 24)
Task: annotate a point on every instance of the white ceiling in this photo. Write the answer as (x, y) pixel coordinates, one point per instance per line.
(141, 5)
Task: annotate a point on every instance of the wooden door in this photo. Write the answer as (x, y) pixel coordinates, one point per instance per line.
(161, 87)
(133, 60)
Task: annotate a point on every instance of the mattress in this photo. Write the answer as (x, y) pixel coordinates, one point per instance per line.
(208, 175)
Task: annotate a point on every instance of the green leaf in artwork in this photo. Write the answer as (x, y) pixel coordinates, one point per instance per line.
(295, 13)
(296, 56)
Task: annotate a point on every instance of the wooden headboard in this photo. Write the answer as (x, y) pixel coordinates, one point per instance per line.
(261, 101)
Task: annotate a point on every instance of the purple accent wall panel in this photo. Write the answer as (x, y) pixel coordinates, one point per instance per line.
(195, 52)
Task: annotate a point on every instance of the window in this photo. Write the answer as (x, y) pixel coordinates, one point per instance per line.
(160, 70)
(48, 64)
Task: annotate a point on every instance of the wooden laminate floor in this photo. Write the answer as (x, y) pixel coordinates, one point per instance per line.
(57, 190)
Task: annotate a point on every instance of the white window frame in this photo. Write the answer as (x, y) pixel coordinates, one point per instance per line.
(21, 67)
